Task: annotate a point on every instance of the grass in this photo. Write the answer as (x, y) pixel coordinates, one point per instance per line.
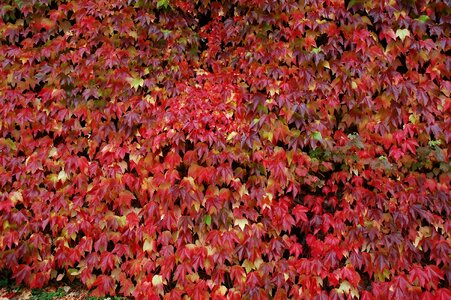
(43, 295)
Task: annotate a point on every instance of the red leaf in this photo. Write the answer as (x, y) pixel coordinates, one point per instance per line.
(237, 274)
(287, 222)
(443, 294)
(350, 275)
(253, 279)
(101, 244)
(132, 220)
(22, 274)
(299, 213)
(39, 280)
(172, 160)
(127, 287)
(107, 261)
(434, 275)
(6, 206)
(105, 286)
(181, 271)
(296, 249)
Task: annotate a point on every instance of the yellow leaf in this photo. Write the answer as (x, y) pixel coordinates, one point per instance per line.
(157, 280)
(122, 221)
(148, 245)
(6, 225)
(248, 265)
(258, 262)
(231, 136)
(200, 72)
(402, 33)
(133, 34)
(273, 91)
(62, 176)
(222, 290)
(53, 152)
(150, 99)
(241, 223)
(345, 288)
(16, 196)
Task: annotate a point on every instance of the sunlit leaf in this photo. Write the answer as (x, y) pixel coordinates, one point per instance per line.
(402, 33)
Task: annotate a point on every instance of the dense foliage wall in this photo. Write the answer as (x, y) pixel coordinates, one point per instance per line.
(250, 149)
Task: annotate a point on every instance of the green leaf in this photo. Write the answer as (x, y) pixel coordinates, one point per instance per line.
(19, 3)
(166, 33)
(208, 220)
(434, 144)
(74, 272)
(353, 3)
(10, 143)
(423, 18)
(162, 4)
(136, 82)
(267, 135)
(317, 136)
(402, 33)
(316, 50)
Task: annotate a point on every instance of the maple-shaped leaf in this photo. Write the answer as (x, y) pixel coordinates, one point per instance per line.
(402, 33)
(253, 279)
(6, 206)
(135, 82)
(101, 244)
(331, 259)
(299, 212)
(163, 4)
(86, 277)
(396, 152)
(418, 276)
(288, 222)
(38, 280)
(172, 159)
(296, 249)
(351, 275)
(132, 219)
(22, 274)
(104, 286)
(107, 261)
(238, 275)
(434, 275)
(85, 244)
(181, 272)
(127, 287)
(443, 294)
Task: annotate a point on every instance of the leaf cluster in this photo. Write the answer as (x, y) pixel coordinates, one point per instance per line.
(229, 149)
